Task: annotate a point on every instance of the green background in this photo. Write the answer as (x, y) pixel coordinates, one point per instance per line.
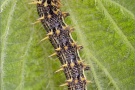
(105, 28)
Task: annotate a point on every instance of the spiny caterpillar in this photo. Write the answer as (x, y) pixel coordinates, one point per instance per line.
(58, 32)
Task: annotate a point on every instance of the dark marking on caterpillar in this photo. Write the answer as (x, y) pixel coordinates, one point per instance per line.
(58, 32)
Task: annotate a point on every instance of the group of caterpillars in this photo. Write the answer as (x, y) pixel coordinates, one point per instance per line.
(58, 32)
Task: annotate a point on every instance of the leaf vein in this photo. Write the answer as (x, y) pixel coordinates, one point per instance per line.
(117, 29)
(4, 44)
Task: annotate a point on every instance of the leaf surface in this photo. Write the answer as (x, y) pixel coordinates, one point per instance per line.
(105, 28)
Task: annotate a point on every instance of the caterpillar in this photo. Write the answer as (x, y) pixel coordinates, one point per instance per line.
(66, 49)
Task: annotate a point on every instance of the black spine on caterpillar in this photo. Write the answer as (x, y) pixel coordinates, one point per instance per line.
(66, 48)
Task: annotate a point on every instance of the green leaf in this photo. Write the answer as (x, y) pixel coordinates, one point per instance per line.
(105, 28)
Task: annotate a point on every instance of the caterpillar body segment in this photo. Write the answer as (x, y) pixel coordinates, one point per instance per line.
(58, 32)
